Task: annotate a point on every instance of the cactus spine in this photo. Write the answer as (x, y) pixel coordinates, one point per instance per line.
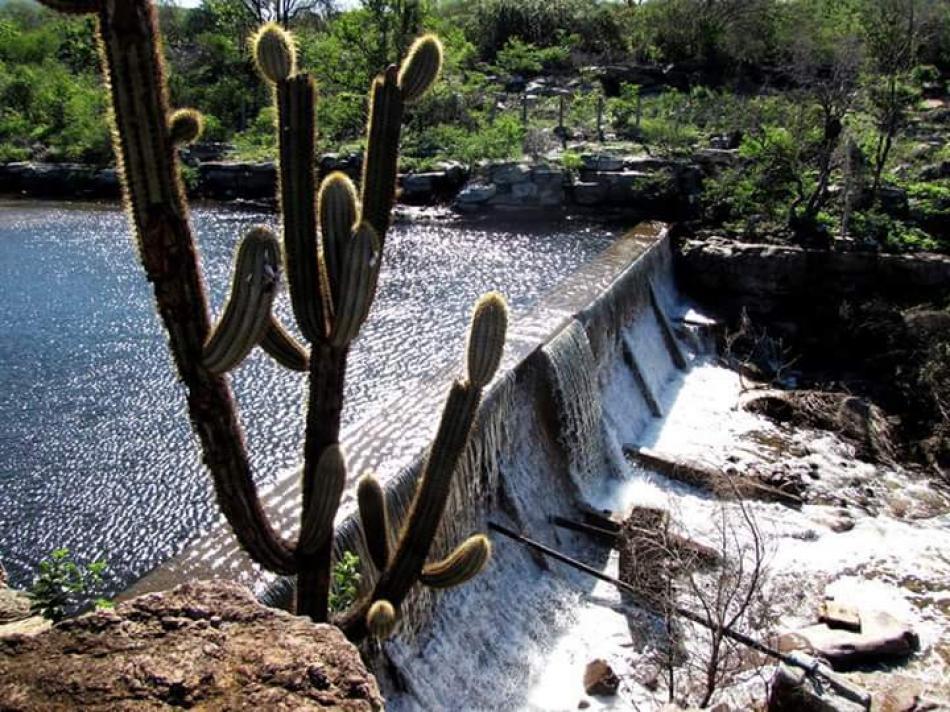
(332, 283)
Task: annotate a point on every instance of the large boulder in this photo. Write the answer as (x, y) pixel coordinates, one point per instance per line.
(882, 638)
(209, 645)
(225, 181)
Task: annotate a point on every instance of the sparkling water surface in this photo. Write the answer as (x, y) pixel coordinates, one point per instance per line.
(96, 453)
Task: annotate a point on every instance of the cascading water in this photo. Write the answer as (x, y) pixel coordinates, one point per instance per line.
(518, 637)
(486, 644)
(573, 371)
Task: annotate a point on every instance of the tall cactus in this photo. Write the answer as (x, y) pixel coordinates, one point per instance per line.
(332, 275)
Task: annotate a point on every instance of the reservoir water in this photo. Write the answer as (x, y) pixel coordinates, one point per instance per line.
(96, 453)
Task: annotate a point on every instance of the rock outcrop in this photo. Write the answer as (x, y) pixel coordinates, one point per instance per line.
(208, 645)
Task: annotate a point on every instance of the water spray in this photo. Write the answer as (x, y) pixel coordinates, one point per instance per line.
(813, 667)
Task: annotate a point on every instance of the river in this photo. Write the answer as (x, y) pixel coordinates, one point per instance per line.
(96, 453)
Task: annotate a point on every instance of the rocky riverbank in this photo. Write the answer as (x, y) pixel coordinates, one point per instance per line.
(630, 185)
(209, 645)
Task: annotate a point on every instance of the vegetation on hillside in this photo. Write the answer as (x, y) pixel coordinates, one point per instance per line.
(827, 99)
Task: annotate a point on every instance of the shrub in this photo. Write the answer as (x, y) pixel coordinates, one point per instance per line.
(62, 587)
(345, 584)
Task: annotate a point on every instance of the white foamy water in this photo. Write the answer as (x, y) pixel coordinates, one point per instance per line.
(521, 634)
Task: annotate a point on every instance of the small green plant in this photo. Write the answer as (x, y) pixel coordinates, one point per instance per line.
(572, 161)
(63, 587)
(345, 586)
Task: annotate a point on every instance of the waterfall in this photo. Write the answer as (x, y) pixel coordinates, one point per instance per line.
(573, 371)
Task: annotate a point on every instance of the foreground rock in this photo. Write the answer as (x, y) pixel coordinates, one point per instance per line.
(208, 644)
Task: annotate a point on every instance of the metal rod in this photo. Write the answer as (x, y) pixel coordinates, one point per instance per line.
(607, 536)
(812, 667)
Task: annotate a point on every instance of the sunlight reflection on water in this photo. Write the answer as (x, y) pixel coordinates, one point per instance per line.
(95, 449)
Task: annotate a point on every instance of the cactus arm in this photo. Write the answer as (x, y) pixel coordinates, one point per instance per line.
(374, 518)
(458, 417)
(356, 285)
(421, 67)
(468, 559)
(318, 527)
(131, 57)
(382, 151)
(486, 339)
(336, 205)
(283, 348)
(308, 293)
(247, 312)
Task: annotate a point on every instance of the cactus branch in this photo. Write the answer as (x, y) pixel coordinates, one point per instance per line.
(374, 518)
(295, 117)
(336, 205)
(382, 152)
(318, 527)
(468, 559)
(132, 61)
(283, 348)
(420, 68)
(246, 314)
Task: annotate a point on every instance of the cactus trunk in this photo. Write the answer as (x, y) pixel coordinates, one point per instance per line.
(329, 307)
(132, 60)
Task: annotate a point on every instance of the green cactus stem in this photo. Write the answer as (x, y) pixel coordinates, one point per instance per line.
(318, 527)
(359, 267)
(486, 340)
(185, 126)
(420, 68)
(374, 518)
(283, 348)
(382, 152)
(246, 315)
(274, 52)
(275, 55)
(146, 137)
(337, 208)
(132, 59)
(381, 619)
(468, 559)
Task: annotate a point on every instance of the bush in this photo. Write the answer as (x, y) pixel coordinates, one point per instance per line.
(345, 584)
(518, 57)
(538, 22)
(259, 141)
(62, 587)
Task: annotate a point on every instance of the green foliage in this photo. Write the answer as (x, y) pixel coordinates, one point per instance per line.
(258, 142)
(502, 139)
(571, 161)
(764, 185)
(345, 584)
(519, 57)
(51, 102)
(895, 235)
(62, 587)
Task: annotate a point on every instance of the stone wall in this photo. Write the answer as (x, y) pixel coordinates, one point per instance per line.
(639, 186)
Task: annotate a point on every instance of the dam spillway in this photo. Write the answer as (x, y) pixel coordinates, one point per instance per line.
(392, 442)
